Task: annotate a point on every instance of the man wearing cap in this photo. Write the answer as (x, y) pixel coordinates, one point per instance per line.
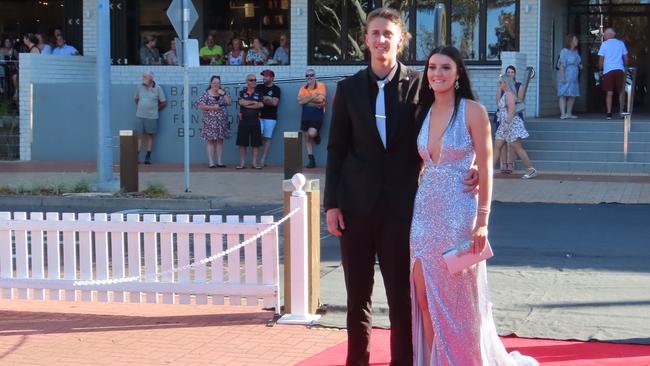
(149, 98)
(269, 116)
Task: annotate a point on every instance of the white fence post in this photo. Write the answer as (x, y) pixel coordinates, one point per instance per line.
(299, 303)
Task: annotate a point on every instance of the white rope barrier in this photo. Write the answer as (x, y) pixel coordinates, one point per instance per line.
(194, 264)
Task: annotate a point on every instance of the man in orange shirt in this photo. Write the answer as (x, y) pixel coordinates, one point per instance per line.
(312, 96)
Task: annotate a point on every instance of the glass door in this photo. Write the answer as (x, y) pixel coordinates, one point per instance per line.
(630, 21)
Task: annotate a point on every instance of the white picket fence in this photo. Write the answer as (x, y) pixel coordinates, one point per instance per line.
(42, 257)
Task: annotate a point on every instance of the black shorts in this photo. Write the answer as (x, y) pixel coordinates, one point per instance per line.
(249, 134)
(306, 125)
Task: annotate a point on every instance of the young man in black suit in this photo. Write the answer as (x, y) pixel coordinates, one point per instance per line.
(371, 180)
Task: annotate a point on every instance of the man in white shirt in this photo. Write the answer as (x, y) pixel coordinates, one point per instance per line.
(613, 63)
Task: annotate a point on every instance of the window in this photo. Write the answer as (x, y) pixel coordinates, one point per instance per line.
(501, 34)
(150, 42)
(480, 29)
(327, 25)
(465, 27)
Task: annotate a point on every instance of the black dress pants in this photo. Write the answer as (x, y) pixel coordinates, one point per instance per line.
(365, 237)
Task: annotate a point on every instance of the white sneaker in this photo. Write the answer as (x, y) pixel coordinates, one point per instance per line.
(572, 116)
(563, 116)
(530, 174)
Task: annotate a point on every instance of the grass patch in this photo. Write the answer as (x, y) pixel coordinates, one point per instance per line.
(6, 190)
(81, 186)
(46, 189)
(156, 190)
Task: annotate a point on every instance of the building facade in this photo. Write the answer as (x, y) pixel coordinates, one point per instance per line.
(327, 36)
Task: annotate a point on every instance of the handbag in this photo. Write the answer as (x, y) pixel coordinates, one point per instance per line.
(461, 257)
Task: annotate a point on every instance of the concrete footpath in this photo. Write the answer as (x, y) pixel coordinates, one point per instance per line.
(218, 188)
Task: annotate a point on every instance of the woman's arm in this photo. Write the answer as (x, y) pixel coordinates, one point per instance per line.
(498, 93)
(511, 102)
(479, 129)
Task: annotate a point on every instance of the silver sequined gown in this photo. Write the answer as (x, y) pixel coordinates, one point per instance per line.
(444, 216)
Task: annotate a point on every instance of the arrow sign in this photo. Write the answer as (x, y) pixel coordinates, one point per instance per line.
(175, 15)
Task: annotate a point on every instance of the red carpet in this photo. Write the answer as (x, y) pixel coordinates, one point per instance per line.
(547, 352)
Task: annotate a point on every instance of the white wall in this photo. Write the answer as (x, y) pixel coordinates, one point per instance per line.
(89, 27)
(37, 68)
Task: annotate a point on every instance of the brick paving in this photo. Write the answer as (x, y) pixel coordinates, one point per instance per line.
(66, 333)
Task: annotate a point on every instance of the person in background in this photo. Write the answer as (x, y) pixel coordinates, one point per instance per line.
(216, 128)
(269, 116)
(612, 62)
(149, 53)
(211, 53)
(150, 99)
(511, 127)
(9, 62)
(569, 64)
(507, 160)
(31, 42)
(42, 45)
(237, 56)
(8, 56)
(257, 55)
(281, 55)
(171, 57)
(62, 48)
(249, 132)
(312, 97)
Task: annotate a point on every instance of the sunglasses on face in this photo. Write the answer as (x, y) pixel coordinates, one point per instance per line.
(310, 75)
(252, 79)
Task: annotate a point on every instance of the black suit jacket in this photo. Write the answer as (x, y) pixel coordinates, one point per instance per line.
(360, 171)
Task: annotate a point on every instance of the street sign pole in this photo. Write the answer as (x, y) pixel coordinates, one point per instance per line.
(186, 94)
(105, 181)
(183, 16)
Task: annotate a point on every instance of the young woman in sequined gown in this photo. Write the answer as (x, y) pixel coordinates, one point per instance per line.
(452, 317)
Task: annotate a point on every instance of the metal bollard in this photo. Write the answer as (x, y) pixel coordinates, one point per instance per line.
(128, 161)
(292, 153)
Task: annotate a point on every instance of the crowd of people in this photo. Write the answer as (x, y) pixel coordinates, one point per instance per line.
(258, 116)
(10, 49)
(255, 51)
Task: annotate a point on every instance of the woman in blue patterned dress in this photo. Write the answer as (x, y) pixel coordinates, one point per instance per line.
(569, 66)
(215, 128)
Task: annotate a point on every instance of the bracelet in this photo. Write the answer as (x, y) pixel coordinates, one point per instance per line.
(483, 209)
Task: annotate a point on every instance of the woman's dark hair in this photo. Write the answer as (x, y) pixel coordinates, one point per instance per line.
(510, 67)
(32, 38)
(464, 90)
(4, 39)
(211, 79)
